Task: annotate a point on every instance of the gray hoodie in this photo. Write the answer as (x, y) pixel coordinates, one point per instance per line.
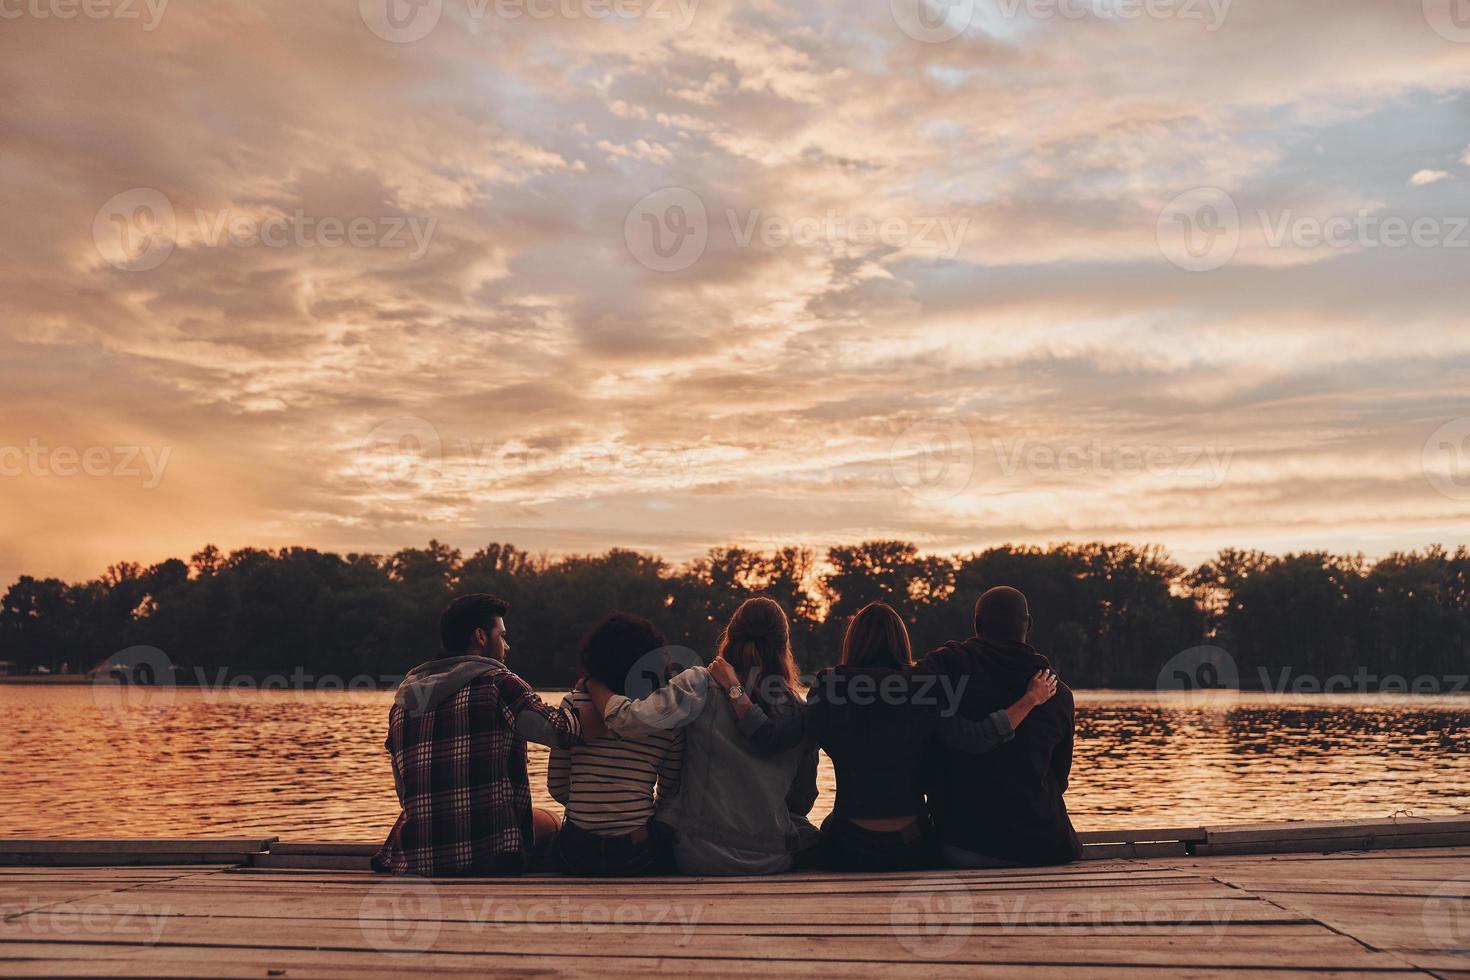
(429, 685)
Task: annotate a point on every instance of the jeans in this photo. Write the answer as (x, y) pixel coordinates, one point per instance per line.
(847, 847)
(581, 852)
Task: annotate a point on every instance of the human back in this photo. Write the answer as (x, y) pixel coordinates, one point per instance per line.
(1008, 804)
(734, 813)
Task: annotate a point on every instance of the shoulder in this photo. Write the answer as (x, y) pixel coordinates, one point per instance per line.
(504, 682)
(941, 659)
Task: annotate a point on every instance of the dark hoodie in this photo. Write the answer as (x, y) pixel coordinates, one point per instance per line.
(1008, 803)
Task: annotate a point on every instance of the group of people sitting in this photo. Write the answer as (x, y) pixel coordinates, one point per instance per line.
(662, 766)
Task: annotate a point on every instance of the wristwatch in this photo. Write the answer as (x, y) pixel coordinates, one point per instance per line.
(736, 692)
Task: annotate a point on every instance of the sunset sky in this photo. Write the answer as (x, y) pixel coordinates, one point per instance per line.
(690, 273)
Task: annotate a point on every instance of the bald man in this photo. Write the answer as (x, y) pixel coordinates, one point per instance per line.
(1004, 807)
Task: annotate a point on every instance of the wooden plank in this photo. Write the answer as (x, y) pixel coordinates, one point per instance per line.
(423, 902)
(1228, 846)
(39, 960)
(79, 852)
(338, 848)
(192, 845)
(311, 862)
(1099, 871)
(1143, 836)
(1106, 892)
(1330, 829)
(1107, 852)
(86, 859)
(951, 944)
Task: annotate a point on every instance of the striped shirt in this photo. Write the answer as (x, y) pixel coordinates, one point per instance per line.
(607, 784)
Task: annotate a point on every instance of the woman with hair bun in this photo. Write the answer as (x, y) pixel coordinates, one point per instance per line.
(734, 812)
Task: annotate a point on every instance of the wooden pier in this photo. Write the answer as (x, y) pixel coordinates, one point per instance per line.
(1343, 899)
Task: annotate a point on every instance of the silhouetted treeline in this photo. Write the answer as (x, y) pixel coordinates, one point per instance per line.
(1110, 615)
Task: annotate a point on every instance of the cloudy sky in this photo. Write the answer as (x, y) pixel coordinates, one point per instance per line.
(668, 274)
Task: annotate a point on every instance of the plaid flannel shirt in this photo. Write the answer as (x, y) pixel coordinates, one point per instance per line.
(460, 772)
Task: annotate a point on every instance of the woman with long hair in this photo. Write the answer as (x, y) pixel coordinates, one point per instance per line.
(873, 715)
(735, 812)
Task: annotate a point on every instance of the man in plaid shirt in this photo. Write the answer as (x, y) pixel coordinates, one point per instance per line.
(457, 735)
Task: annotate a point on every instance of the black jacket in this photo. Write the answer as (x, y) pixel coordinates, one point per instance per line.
(1008, 803)
(876, 723)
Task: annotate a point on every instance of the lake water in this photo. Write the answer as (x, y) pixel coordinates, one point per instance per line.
(82, 762)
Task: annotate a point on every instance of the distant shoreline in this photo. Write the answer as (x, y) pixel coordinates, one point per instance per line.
(78, 680)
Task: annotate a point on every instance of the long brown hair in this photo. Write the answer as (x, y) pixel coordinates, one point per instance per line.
(757, 643)
(877, 637)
